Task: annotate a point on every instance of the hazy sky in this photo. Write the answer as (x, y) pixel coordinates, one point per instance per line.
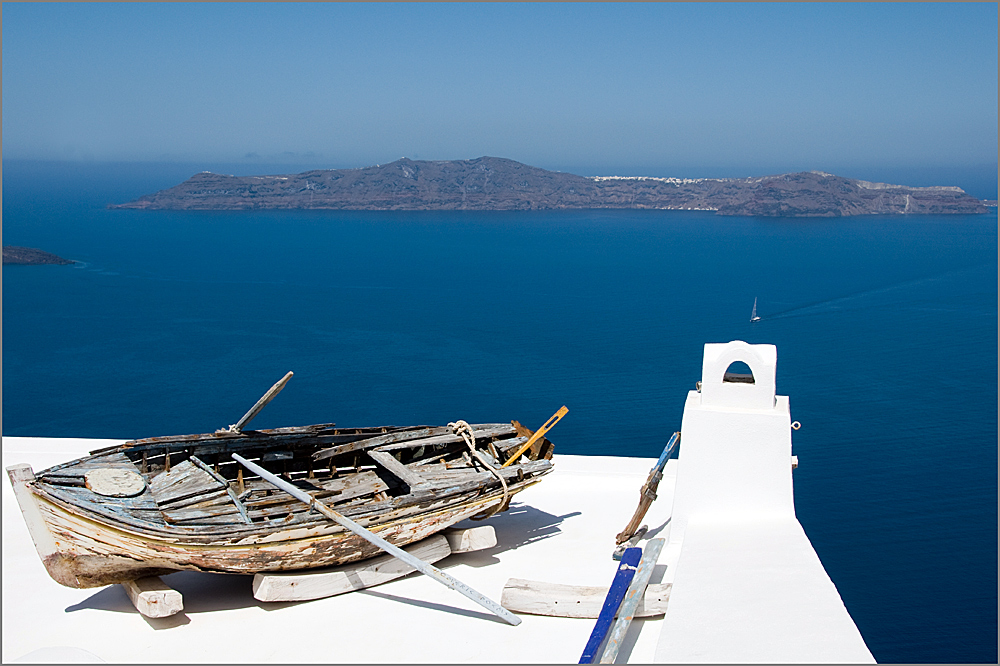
(554, 85)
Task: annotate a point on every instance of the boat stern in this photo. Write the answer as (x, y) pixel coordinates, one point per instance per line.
(62, 561)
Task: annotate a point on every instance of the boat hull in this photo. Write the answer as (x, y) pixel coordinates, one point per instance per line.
(154, 506)
(89, 552)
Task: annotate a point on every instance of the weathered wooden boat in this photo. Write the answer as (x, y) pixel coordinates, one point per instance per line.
(162, 504)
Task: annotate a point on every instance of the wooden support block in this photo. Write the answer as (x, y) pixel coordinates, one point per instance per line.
(154, 598)
(472, 539)
(535, 598)
(320, 583)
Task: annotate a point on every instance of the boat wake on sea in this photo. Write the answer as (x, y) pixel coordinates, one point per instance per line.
(854, 301)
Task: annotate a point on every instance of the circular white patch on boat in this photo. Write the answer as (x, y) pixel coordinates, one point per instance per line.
(115, 482)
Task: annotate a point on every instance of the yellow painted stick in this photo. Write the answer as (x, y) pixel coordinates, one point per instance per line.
(554, 419)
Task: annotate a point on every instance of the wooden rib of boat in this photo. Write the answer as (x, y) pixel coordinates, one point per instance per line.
(162, 504)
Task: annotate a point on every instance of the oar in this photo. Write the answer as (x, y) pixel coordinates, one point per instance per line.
(399, 553)
(648, 492)
(264, 399)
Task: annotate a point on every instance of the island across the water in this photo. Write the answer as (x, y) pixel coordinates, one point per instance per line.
(493, 183)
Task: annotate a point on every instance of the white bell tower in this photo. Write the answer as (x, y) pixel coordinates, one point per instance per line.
(736, 443)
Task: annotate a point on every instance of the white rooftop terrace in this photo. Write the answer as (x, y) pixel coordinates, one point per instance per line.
(561, 530)
(747, 584)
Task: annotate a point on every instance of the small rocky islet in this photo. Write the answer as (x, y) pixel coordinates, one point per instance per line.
(493, 183)
(13, 254)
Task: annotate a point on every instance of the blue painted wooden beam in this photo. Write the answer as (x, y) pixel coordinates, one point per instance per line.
(632, 599)
(623, 578)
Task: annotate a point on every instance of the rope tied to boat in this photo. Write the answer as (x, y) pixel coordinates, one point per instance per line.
(465, 430)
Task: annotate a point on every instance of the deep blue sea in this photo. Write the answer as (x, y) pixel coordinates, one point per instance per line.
(886, 331)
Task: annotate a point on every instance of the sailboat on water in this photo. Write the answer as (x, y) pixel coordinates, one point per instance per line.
(753, 315)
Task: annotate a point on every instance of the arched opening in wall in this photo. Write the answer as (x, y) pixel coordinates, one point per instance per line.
(738, 372)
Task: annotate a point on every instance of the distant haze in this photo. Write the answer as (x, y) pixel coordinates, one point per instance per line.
(592, 88)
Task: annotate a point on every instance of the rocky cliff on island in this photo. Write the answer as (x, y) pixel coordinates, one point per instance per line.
(13, 254)
(492, 183)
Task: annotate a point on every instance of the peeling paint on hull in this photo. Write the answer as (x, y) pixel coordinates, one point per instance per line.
(93, 553)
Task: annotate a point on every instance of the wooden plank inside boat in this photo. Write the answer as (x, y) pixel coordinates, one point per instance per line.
(80, 468)
(183, 481)
(388, 462)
